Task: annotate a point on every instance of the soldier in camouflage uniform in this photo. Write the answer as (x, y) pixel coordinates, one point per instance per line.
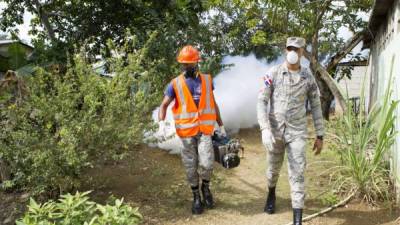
(286, 89)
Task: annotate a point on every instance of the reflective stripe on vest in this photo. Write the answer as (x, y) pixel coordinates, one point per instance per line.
(185, 116)
(181, 96)
(190, 125)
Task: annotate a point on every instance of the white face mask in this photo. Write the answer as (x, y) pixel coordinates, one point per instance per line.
(292, 57)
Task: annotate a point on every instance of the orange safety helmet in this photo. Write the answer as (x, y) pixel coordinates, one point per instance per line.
(189, 54)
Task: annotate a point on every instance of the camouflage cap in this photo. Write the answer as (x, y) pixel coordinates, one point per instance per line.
(297, 42)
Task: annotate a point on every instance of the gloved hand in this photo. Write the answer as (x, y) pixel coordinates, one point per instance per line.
(162, 129)
(268, 139)
(222, 131)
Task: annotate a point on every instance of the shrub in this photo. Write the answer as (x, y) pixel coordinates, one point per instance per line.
(78, 209)
(68, 122)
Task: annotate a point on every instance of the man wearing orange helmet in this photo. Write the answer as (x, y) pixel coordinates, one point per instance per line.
(196, 114)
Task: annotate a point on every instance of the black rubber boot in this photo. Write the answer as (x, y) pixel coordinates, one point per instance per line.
(208, 198)
(270, 204)
(297, 216)
(197, 206)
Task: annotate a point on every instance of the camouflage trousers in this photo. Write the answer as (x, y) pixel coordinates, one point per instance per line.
(296, 166)
(198, 158)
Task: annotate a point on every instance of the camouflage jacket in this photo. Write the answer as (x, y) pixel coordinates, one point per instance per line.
(287, 94)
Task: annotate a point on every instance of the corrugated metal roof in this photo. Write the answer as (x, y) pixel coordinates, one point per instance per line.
(378, 16)
(2, 42)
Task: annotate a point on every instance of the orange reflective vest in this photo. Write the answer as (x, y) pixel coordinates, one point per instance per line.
(191, 119)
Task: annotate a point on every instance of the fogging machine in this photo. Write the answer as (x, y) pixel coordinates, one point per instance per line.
(226, 150)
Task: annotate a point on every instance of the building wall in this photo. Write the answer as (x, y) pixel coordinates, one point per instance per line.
(352, 88)
(4, 49)
(384, 63)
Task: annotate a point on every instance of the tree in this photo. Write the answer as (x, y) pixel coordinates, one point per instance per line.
(92, 21)
(61, 27)
(263, 26)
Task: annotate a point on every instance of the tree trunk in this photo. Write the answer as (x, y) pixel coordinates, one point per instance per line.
(4, 171)
(44, 18)
(328, 86)
(326, 94)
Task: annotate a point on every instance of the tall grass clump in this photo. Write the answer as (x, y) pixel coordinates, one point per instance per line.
(365, 143)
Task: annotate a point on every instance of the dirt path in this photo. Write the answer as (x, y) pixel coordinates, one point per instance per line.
(154, 180)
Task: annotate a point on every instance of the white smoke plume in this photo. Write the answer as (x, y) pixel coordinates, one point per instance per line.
(236, 91)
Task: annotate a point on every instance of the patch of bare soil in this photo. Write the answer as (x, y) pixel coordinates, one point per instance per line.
(12, 206)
